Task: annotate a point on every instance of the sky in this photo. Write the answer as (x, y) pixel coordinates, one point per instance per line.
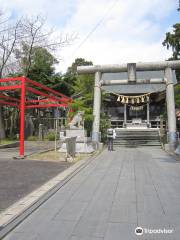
(108, 31)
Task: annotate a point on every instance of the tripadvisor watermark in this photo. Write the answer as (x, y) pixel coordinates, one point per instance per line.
(140, 231)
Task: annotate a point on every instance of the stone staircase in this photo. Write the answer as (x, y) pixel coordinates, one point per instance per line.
(137, 137)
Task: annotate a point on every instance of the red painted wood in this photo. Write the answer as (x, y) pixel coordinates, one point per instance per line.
(13, 87)
(48, 105)
(2, 102)
(22, 120)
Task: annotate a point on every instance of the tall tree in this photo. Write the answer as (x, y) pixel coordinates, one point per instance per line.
(82, 83)
(42, 65)
(83, 91)
(172, 41)
(10, 34)
(37, 35)
(31, 37)
(68, 82)
(78, 62)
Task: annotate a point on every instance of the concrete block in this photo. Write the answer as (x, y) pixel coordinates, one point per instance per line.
(81, 147)
(177, 151)
(81, 134)
(169, 147)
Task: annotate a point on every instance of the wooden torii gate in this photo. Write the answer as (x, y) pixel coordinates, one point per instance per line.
(51, 97)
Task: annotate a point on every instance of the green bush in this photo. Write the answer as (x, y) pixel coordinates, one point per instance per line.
(32, 138)
(51, 136)
(88, 121)
(104, 125)
(75, 106)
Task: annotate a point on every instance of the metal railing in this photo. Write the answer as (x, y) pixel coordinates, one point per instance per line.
(116, 123)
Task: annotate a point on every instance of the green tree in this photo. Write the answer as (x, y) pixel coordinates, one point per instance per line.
(83, 86)
(177, 95)
(42, 65)
(69, 81)
(78, 62)
(84, 95)
(84, 92)
(172, 41)
(66, 84)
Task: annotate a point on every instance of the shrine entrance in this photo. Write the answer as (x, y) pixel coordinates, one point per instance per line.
(139, 93)
(136, 116)
(144, 113)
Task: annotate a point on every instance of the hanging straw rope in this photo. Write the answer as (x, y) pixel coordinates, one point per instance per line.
(131, 99)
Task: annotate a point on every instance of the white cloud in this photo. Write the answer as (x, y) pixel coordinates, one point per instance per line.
(57, 11)
(132, 30)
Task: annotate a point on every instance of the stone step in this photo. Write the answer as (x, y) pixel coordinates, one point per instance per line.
(136, 144)
(133, 143)
(137, 137)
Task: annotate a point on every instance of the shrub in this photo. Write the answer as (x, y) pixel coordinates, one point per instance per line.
(32, 138)
(104, 125)
(51, 136)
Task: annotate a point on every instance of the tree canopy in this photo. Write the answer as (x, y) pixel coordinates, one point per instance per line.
(83, 90)
(172, 41)
(76, 63)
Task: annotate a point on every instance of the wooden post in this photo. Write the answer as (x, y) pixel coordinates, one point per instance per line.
(22, 121)
(125, 114)
(148, 115)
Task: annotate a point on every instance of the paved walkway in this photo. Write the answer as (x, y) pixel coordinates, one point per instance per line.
(109, 198)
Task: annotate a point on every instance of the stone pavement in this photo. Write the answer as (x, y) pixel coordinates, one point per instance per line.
(109, 198)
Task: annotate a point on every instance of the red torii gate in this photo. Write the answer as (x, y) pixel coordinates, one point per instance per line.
(25, 85)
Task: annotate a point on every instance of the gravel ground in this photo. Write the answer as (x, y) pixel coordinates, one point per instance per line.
(20, 177)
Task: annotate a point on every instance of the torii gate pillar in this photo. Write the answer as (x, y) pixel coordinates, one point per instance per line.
(96, 108)
(172, 135)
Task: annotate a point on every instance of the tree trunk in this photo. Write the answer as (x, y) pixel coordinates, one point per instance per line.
(11, 128)
(2, 128)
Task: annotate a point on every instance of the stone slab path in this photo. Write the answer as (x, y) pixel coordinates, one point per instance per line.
(109, 198)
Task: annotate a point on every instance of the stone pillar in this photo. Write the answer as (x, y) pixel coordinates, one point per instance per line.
(148, 114)
(170, 107)
(125, 114)
(96, 108)
(41, 132)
